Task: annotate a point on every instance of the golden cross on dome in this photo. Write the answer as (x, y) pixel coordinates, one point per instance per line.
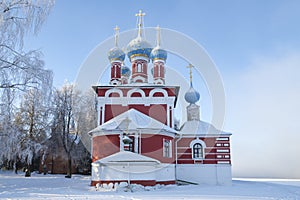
(116, 35)
(191, 72)
(140, 16)
(158, 36)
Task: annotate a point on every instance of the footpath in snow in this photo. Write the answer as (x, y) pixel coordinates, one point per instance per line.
(40, 186)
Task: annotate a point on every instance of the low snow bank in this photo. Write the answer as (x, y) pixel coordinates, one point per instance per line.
(38, 186)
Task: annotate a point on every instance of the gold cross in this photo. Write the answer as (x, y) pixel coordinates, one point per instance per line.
(140, 23)
(191, 72)
(158, 36)
(116, 35)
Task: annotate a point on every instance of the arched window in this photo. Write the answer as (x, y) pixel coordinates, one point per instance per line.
(197, 151)
(167, 148)
(139, 67)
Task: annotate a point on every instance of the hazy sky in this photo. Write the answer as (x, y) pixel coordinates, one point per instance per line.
(255, 45)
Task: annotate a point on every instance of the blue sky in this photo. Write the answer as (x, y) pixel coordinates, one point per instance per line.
(255, 45)
(232, 32)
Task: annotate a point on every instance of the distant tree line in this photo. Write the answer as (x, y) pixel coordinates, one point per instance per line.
(36, 119)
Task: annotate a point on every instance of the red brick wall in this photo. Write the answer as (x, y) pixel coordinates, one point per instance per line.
(158, 112)
(151, 146)
(104, 146)
(211, 154)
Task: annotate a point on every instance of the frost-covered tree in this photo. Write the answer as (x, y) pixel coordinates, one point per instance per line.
(87, 117)
(9, 135)
(66, 101)
(19, 69)
(33, 122)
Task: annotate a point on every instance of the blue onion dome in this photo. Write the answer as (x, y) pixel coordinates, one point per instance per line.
(192, 96)
(158, 54)
(138, 47)
(125, 71)
(116, 54)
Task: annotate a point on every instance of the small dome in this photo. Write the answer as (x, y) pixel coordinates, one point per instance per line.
(125, 71)
(116, 54)
(138, 46)
(158, 54)
(192, 96)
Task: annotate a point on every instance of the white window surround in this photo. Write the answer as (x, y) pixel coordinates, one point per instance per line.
(197, 140)
(136, 90)
(125, 101)
(139, 78)
(113, 90)
(160, 90)
(167, 153)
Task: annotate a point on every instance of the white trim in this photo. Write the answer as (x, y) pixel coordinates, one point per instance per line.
(159, 81)
(115, 81)
(147, 131)
(223, 162)
(172, 116)
(168, 115)
(139, 77)
(160, 90)
(159, 60)
(136, 90)
(136, 100)
(202, 143)
(197, 140)
(222, 139)
(169, 147)
(222, 150)
(134, 58)
(98, 111)
(113, 90)
(208, 135)
(103, 113)
(136, 142)
(121, 141)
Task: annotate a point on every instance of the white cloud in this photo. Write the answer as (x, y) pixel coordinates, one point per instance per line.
(264, 115)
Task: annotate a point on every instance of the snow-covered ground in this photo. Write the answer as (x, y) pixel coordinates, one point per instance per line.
(38, 186)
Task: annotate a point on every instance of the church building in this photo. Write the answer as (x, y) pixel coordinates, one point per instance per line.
(137, 140)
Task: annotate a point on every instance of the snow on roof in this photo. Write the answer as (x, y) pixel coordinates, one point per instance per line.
(132, 120)
(126, 156)
(196, 127)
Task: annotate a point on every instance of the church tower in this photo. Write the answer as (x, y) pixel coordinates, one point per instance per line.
(130, 87)
(159, 57)
(116, 57)
(192, 96)
(138, 52)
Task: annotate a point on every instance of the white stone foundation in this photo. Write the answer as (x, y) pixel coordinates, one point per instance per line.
(219, 174)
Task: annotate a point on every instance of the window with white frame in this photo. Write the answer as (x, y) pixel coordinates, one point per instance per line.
(167, 148)
(198, 149)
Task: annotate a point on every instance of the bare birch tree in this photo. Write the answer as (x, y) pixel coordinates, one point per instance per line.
(66, 103)
(19, 70)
